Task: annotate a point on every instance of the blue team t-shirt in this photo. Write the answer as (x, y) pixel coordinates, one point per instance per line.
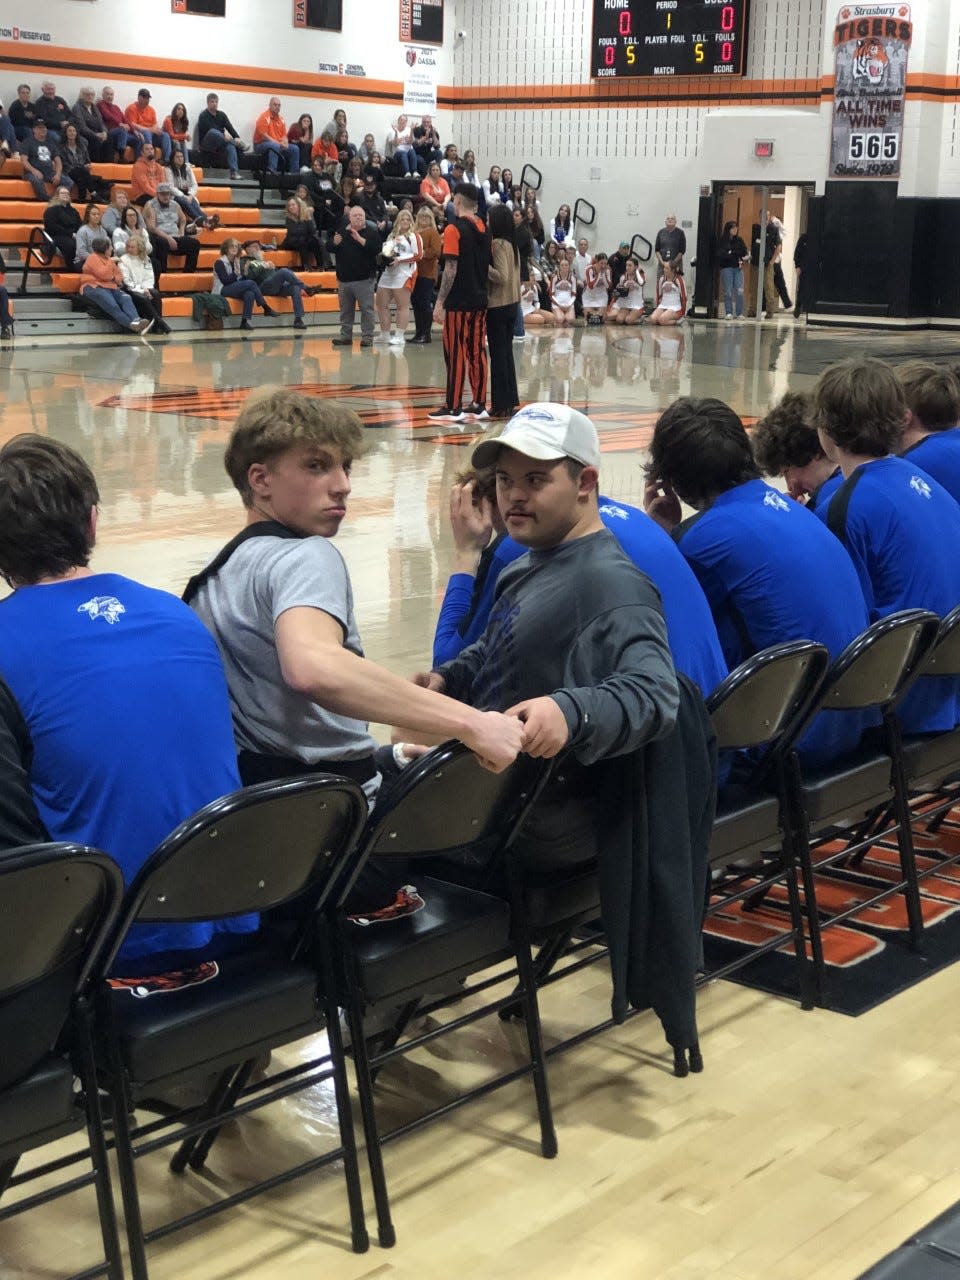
(124, 695)
(771, 572)
(938, 454)
(902, 530)
(690, 627)
(822, 495)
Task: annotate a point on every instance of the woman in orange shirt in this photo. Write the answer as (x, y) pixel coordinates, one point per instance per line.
(177, 125)
(434, 188)
(100, 281)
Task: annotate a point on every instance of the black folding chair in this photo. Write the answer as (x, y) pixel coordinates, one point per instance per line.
(443, 805)
(866, 790)
(931, 762)
(60, 902)
(275, 847)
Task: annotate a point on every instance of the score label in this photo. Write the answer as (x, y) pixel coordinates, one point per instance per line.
(668, 38)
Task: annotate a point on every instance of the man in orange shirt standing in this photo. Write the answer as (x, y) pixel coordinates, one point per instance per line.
(270, 140)
(142, 119)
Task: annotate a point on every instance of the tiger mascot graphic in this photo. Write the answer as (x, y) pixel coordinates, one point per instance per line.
(870, 62)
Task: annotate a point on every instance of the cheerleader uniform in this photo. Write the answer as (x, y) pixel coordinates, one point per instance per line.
(563, 292)
(634, 298)
(596, 287)
(671, 296)
(401, 271)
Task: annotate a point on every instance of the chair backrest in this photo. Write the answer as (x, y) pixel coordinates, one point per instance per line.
(944, 659)
(767, 695)
(446, 800)
(59, 903)
(250, 851)
(878, 667)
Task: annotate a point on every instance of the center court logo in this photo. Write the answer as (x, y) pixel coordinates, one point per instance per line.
(107, 607)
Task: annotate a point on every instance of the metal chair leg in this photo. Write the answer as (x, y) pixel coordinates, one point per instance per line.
(194, 1151)
(531, 1010)
(129, 1194)
(106, 1209)
(360, 1238)
(361, 1065)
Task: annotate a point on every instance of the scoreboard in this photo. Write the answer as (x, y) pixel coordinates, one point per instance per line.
(668, 38)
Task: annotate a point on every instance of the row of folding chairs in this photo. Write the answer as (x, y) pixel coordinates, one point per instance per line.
(292, 850)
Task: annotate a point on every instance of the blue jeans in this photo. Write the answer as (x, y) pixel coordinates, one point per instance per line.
(284, 283)
(274, 153)
(6, 318)
(121, 138)
(407, 159)
(189, 205)
(114, 302)
(247, 291)
(8, 134)
(215, 142)
(731, 284)
(165, 143)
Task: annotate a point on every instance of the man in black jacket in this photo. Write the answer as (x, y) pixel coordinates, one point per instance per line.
(356, 243)
(217, 135)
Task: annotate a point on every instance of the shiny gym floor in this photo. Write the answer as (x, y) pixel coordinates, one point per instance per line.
(812, 1144)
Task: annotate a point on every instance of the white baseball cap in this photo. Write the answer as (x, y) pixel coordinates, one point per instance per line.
(545, 431)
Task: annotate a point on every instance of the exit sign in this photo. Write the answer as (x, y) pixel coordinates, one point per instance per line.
(763, 148)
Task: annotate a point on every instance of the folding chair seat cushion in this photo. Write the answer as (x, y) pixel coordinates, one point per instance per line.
(258, 999)
(859, 784)
(39, 1107)
(930, 760)
(747, 822)
(571, 895)
(457, 932)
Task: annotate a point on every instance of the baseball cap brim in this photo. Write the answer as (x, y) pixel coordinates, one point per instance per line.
(485, 453)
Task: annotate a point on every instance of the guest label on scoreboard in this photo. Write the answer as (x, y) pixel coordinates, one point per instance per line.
(668, 38)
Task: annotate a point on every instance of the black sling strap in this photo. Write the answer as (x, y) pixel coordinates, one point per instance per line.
(839, 505)
(262, 529)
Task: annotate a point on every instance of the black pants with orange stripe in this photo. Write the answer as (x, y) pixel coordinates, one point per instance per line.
(465, 353)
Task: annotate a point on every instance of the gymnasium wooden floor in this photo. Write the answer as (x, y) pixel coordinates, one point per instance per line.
(811, 1145)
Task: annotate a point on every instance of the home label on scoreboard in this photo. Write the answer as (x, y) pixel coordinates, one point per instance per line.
(668, 38)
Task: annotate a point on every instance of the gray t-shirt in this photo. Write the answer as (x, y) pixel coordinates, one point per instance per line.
(240, 605)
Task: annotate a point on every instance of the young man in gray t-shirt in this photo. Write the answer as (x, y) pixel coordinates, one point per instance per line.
(279, 603)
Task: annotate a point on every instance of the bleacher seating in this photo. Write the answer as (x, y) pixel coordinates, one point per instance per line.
(240, 213)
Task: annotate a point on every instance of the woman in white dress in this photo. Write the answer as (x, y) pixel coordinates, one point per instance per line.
(596, 289)
(563, 293)
(671, 298)
(402, 249)
(627, 304)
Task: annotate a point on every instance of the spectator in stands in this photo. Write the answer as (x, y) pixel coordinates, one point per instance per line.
(89, 231)
(374, 205)
(228, 280)
(399, 147)
(53, 111)
(100, 282)
(931, 437)
(402, 251)
(270, 140)
(506, 184)
(627, 305)
(183, 180)
(6, 315)
(75, 165)
(549, 259)
(280, 606)
(41, 163)
(275, 282)
(8, 137)
(671, 304)
(177, 127)
(83, 651)
(535, 227)
(374, 169)
(338, 122)
(61, 222)
(92, 127)
(434, 189)
(131, 224)
(114, 211)
(450, 156)
(561, 225)
(357, 245)
(765, 565)
(325, 148)
(139, 281)
(899, 525)
(670, 245)
(167, 225)
(618, 262)
(367, 148)
(354, 167)
(218, 136)
(502, 302)
(301, 237)
(349, 190)
(425, 286)
(346, 151)
(301, 136)
(563, 292)
(121, 135)
(596, 287)
(786, 443)
(23, 114)
(470, 168)
(146, 174)
(426, 143)
(142, 120)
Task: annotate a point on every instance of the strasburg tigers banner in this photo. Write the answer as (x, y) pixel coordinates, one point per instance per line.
(871, 43)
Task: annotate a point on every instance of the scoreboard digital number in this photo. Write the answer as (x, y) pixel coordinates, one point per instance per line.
(668, 38)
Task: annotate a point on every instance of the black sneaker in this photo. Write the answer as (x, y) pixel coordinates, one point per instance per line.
(342, 342)
(476, 411)
(443, 414)
(299, 324)
(366, 342)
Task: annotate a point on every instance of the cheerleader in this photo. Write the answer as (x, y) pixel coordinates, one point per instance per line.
(596, 289)
(627, 304)
(402, 249)
(671, 298)
(563, 293)
(533, 312)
